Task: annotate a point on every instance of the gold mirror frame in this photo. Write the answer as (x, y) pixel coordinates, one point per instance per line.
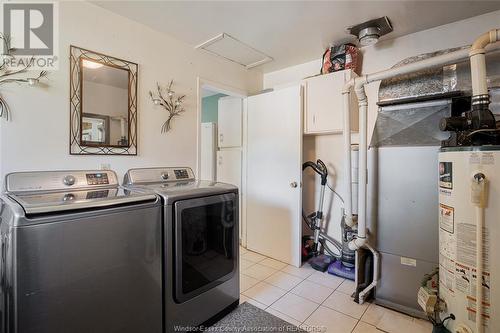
(75, 144)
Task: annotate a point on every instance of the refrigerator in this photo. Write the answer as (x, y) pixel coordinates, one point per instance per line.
(208, 151)
(229, 143)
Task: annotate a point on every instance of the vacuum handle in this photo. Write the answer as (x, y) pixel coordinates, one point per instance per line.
(324, 171)
(319, 167)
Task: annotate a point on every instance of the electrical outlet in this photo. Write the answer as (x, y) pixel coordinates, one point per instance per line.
(105, 166)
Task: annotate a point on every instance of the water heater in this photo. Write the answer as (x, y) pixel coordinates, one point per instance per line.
(469, 192)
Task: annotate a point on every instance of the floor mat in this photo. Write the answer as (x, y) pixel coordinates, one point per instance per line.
(249, 318)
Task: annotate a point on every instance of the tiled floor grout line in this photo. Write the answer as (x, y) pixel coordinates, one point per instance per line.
(302, 279)
(287, 291)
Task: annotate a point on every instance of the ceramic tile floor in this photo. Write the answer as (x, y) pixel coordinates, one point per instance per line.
(311, 299)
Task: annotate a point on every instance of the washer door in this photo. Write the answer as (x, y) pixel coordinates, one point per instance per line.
(206, 240)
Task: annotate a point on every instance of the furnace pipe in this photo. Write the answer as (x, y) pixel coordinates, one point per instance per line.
(348, 218)
(478, 61)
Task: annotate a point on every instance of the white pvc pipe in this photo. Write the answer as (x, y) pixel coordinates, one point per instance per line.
(346, 93)
(441, 60)
(362, 156)
(478, 61)
(376, 260)
(355, 179)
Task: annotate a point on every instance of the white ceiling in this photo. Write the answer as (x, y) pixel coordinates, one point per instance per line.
(107, 75)
(292, 32)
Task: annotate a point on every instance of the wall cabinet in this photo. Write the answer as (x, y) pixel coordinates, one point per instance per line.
(230, 117)
(323, 103)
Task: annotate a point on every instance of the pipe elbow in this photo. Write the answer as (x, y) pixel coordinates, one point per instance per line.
(357, 243)
(349, 221)
(359, 88)
(482, 41)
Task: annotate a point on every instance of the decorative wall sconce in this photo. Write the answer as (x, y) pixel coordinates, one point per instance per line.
(170, 102)
(12, 75)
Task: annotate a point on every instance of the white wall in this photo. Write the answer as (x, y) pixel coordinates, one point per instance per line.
(378, 57)
(38, 135)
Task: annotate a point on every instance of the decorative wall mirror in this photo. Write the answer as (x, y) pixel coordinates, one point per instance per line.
(103, 104)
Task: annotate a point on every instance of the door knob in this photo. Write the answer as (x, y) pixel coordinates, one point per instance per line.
(293, 184)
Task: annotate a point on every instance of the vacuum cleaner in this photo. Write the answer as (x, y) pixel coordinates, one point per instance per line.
(316, 247)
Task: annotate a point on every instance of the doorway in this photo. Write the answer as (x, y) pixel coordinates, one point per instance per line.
(221, 139)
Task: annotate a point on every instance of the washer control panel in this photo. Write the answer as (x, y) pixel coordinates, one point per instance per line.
(99, 178)
(181, 173)
(58, 180)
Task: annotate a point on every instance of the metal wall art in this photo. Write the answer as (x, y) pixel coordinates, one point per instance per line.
(171, 103)
(17, 75)
(103, 104)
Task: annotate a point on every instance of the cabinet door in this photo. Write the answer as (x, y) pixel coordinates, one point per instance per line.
(323, 103)
(230, 111)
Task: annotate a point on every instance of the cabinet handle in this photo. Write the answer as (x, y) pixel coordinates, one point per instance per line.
(221, 137)
(314, 119)
(293, 184)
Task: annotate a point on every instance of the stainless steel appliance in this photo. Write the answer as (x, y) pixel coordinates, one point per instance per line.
(79, 254)
(200, 244)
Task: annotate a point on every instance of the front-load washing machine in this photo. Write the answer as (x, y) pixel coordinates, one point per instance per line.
(200, 244)
(79, 254)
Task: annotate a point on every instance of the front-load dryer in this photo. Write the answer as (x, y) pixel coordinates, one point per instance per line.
(79, 254)
(200, 244)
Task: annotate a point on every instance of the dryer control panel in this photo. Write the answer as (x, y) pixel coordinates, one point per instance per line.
(155, 175)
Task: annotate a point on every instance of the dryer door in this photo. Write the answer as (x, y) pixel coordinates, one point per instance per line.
(206, 243)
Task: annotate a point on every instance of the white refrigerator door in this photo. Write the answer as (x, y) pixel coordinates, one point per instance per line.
(274, 174)
(208, 151)
(229, 166)
(230, 122)
(229, 171)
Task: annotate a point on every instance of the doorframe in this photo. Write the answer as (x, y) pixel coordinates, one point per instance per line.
(222, 88)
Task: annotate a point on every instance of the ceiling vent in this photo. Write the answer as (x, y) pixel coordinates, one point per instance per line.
(369, 32)
(230, 48)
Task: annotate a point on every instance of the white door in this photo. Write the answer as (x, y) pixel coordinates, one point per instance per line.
(274, 161)
(229, 171)
(208, 150)
(230, 124)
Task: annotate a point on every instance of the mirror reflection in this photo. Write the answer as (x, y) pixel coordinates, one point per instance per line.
(104, 105)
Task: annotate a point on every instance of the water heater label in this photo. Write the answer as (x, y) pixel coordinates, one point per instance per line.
(447, 218)
(466, 245)
(446, 175)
